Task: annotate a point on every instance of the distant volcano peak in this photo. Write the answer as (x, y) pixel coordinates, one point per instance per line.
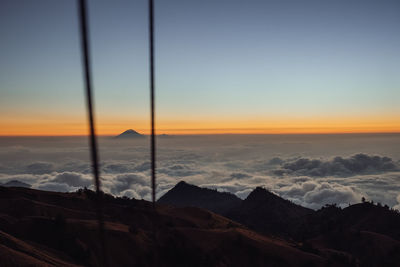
(130, 133)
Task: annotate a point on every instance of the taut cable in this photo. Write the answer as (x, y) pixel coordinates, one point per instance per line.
(92, 138)
(152, 104)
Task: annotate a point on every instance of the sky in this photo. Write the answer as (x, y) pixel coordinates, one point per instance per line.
(255, 66)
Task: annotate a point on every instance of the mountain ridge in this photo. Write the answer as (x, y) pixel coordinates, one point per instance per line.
(218, 202)
(350, 231)
(276, 213)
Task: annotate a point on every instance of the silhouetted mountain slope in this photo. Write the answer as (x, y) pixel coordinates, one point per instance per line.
(358, 217)
(39, 228)
(187, 195)
(129, 134)
(369, 217)
(360, 235)
(364, 248)
(268, 213)
(262, 210)
(367, 232)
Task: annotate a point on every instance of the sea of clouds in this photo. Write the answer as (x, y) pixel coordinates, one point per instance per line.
(311, 170)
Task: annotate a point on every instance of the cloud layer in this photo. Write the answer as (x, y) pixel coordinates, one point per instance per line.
(311, 177)
(338, 166)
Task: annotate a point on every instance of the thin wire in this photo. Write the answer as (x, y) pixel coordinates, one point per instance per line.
(92, 138)
(153, 139)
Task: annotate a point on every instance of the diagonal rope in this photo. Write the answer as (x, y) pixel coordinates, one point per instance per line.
(153, 137)
(152, 104)
(92, 138)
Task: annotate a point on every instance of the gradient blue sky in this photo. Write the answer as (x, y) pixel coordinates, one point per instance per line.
(219, 65)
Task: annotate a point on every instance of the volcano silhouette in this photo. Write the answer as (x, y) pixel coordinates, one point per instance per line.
(129, 134)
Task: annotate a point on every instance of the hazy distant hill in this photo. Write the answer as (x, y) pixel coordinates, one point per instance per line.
(129, 134)
(16, 183)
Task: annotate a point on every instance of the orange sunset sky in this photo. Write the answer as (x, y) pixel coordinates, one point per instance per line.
(77, 126)
(264, 68)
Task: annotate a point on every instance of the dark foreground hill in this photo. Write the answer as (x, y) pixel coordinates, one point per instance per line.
(39, 228)
(270, 214)
(262, 210)
(364, 234)
(187, 195)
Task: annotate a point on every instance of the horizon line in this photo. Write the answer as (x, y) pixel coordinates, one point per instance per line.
(205, 134)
